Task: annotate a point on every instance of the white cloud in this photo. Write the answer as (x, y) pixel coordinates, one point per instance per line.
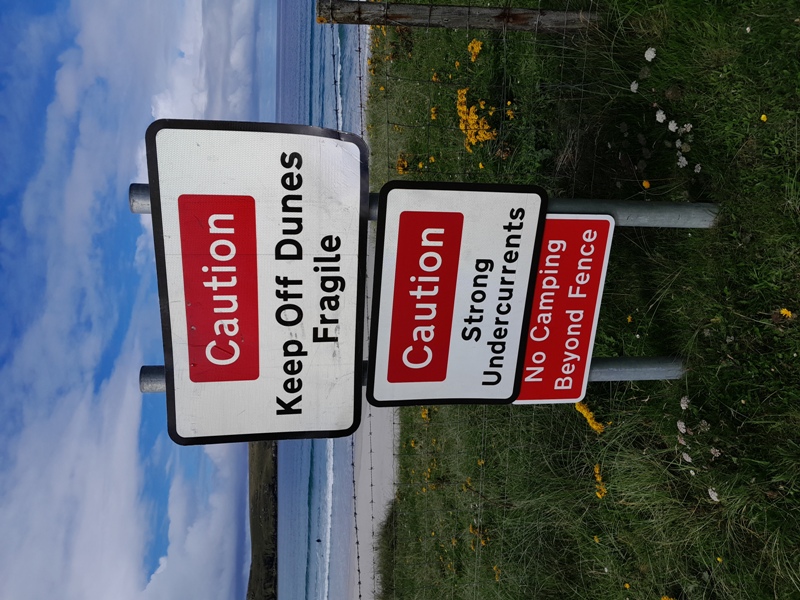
(69, 509)
(73, 522)
(204, 559)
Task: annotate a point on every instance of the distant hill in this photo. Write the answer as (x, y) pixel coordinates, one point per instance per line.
(263, 467)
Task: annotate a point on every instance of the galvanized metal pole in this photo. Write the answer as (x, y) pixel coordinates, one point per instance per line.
(632, 213)
(139, 198)
(152, 379)
(636, 369)
(626, 213)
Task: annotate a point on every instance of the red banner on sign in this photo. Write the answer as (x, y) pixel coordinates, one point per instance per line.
(218, 245)
(428, 249)
(566, 301)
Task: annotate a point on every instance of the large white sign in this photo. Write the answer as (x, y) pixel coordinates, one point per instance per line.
(454, 268)
(260, 235)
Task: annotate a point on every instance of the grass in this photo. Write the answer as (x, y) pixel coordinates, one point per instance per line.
(263, 501)
(502, 502)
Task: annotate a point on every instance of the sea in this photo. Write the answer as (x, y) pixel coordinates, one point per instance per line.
(318, 68)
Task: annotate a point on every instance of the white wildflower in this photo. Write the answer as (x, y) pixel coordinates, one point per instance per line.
(682, 162)
(681, 426)
(704, 426)
(712, 493)
(686, 457)
(673, 126)
(678, 143)
(716, 453)
(635, 86)
(650, 54)
(691, 472)
(697, 168)
(684, 402)
(747, 29)
(681, 441)
(660, 116)
(687, 127)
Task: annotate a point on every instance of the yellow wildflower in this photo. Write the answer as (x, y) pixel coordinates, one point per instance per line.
(787, 313)
(719, 559)
(413, 443)
(481, 462)
(764, 118)
(458, 64)
(627, 586)
(475, 129)
(453, 542)
(480, 165)
(321, 19)
(646, 184)
(596, 539)
(434, 113)
(601, 490)
(482, 104)
(435, 77)
(431, 159)
(510, 113)
(382, 88)
(496, 570)
(589, 416)
(423, 411)
(402, 165)
(630, 319)
(474, 48)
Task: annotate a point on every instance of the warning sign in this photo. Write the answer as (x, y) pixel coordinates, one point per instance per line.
(454, 264)
(566, 302)
(260, 237)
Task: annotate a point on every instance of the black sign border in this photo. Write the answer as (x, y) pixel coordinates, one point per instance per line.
(161, 271)
(378, 277)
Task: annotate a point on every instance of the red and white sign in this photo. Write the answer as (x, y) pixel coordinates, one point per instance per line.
(220, 280)
(566, 303)
(453, 271)
(424, 294)
(260, 236)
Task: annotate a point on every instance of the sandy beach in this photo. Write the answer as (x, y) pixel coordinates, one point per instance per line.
(374, 457)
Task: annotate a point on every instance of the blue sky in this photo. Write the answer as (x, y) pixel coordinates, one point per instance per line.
(95, 500)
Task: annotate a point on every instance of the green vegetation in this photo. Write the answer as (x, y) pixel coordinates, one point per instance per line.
(263, 479)
(696, 493)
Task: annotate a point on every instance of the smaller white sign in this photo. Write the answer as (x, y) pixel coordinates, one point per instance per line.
(454, 267)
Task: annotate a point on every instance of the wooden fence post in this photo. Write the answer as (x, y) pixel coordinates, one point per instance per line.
(453, 17)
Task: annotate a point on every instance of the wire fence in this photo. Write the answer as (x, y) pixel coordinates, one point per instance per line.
(502, 501)
(466, 105)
